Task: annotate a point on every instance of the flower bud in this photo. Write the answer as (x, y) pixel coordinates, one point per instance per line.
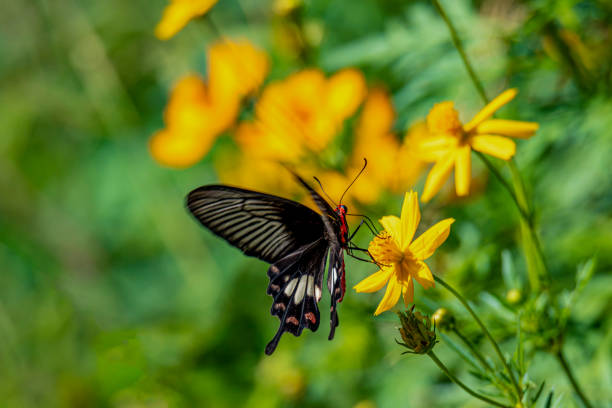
(513, 296)
(416, 332)
(443, 319)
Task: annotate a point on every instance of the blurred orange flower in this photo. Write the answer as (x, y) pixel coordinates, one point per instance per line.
(391, 165)
(198, 111)
(295, 119)
(178, 13)
(451, 142)
(302, 113)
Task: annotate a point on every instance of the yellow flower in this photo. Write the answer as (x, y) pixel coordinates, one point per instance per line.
(409, 163)
(306, 109)
(198, 112)
(400, 257)
(373, 134)
(192, 124)
(395, 165)
(451, 142)
(178, 13)
(178, 152)
(235, 69)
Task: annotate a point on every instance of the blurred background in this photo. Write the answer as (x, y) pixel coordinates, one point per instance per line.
(112, 295)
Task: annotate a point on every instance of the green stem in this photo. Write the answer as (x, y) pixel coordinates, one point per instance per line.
(460, 49)
(474, 350)
(525, 215)
(462, 385)
(538, 269)
(485, 331)
(572, 379)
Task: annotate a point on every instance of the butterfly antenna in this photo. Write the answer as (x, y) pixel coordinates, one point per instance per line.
(365, 163)
(323, 190)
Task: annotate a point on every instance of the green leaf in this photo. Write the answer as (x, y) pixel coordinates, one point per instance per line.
(539, 392)
(460, 350)
(548, 402)
(584, 273)
(512, 279)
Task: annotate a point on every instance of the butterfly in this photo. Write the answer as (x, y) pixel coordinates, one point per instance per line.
(295, 240)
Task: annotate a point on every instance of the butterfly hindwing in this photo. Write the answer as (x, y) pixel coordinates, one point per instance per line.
(295, 284)
(336, 285)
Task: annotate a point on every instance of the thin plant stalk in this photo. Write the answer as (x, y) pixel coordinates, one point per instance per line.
(465, 304)
(459, 46)
(462, 385)
(474, 350)
(570, 375)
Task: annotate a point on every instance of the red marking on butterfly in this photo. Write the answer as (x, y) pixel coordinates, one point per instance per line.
(310, 316)
(293, 320)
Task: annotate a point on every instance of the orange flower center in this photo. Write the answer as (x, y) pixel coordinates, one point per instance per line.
(444, 119)
(384, 250)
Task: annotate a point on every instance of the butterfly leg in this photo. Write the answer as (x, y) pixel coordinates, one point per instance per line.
(356, 229)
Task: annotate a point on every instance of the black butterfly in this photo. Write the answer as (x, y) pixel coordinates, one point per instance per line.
(294, 239)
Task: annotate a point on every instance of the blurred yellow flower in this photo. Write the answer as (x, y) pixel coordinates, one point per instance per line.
(410, 165)
(395, 165)
(295, 119)
(400, 257)
(198, 112)
(284, 7)
(451, 142)
(305, 111)
(178, 13)
(178, 152)
(235, 69)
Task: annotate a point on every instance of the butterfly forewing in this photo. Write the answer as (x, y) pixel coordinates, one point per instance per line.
(261, 225)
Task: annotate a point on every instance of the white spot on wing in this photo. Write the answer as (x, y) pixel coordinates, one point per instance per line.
(310, 285)
(290, 286)
(299, 292)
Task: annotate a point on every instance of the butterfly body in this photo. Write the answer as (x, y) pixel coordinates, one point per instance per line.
(296, 241)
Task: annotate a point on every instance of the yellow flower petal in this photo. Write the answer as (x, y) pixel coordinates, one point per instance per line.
(511, 128)
(392, 225)
(410, 218)
(443, 118)
(392, 294)
(426, 244)
(423, 276)
(374, 282)
(179, 150)
(408, 292)
(434, 148)
(377, 116)
(235, 69)
(463, 171)
(438, 175)
(496, 146)
(178, 13)
(490, 109)
(345, 92)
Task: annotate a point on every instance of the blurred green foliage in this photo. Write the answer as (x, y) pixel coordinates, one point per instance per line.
(111, 295)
